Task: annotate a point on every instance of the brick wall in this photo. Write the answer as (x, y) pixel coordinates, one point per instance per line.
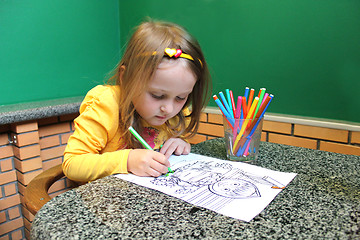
(29, 148)
(339, 138)
(26, 150)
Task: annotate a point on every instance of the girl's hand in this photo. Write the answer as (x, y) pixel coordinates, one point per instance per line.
(175, 146)
(147, 163)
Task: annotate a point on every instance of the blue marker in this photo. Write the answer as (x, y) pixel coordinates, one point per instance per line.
(224, 111)
(229, 101)
(261, 116)
(226, 105)
(246, 95)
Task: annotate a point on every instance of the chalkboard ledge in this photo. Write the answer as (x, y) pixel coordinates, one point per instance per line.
(36, 110)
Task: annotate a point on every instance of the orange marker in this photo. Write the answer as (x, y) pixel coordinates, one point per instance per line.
(251, 96)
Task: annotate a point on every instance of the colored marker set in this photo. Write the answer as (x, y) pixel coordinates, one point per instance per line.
(243, 121)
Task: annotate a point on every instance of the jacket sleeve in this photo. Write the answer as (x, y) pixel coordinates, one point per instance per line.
(96, 125)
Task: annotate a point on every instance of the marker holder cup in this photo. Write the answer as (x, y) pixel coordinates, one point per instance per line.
(247, 148)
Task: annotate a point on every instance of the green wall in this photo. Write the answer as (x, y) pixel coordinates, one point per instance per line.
(56, 49)
(307, 53)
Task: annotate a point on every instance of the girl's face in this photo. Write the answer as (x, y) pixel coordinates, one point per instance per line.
(166, 93)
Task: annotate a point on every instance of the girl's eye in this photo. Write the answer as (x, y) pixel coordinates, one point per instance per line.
(180, 99)
(157, 96)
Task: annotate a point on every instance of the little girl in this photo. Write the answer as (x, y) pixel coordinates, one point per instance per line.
(162, 73)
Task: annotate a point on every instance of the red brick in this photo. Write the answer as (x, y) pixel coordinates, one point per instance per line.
(27, 225)
(24, 139)
(6, 151)
(321, 133)
(54, 129)
(5, 237)
(52, 152)
(65, 137)
(28, 165)
(355, 137)
(27, 234)
(11, 225)
(203, 117)
(9, 202)
(2, 217)
(26, 152)
(14, 212)
(263, 136)
(7, 177)
(278, 127)
(21, 189)
(17, 234)
(10, 189)
(211, 129)
(6, 165)
(197, 139)
(57, 186)
(4, 139)
(51, 141)
(215, 118)
(25, 178)
(51, 163)
(24, 127)
(27, 214)
(339, 148)
(293, 141)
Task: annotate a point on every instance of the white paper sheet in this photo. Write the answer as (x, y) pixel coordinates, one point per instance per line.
(234, 189)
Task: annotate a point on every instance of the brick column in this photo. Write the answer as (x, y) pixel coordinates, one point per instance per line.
(11, 220)
(27, 160)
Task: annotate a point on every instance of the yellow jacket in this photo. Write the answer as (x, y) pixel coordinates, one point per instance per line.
(95, 149)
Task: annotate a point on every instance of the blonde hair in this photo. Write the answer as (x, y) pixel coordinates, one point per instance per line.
(140, 65)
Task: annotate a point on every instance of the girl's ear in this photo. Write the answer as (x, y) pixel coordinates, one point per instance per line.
(121, 72)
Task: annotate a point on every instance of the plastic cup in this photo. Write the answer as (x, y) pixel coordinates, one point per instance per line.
(244, 147)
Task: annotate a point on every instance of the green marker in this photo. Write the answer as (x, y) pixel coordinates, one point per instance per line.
(169, 169)
(138, 137)
(262, 93)
(144, 143)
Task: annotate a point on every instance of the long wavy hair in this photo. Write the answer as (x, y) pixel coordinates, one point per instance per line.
(140, 64)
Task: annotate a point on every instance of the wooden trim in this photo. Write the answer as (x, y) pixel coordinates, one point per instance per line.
(36, 193)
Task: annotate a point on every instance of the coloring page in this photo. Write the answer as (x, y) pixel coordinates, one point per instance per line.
(234, 189)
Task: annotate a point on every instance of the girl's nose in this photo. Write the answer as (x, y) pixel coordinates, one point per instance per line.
(166, 108)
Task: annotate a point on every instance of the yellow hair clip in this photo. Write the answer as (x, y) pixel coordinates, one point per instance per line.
(172, 52)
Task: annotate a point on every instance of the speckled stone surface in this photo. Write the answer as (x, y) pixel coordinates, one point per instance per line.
(322, 202)
(37, 110)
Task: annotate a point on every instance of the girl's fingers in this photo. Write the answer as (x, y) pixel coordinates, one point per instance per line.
(179, 150)
(153, 173)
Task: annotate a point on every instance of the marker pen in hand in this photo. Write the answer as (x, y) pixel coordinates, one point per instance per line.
(169, 169)
(144, 143)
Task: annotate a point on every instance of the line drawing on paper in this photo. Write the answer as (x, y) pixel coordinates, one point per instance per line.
(234, 189)
(213, 184)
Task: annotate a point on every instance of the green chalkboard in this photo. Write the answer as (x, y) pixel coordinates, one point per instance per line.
(306, 53)
(56, 49)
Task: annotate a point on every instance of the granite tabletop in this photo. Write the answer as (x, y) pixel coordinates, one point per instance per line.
(37, 110)
(322, 202)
